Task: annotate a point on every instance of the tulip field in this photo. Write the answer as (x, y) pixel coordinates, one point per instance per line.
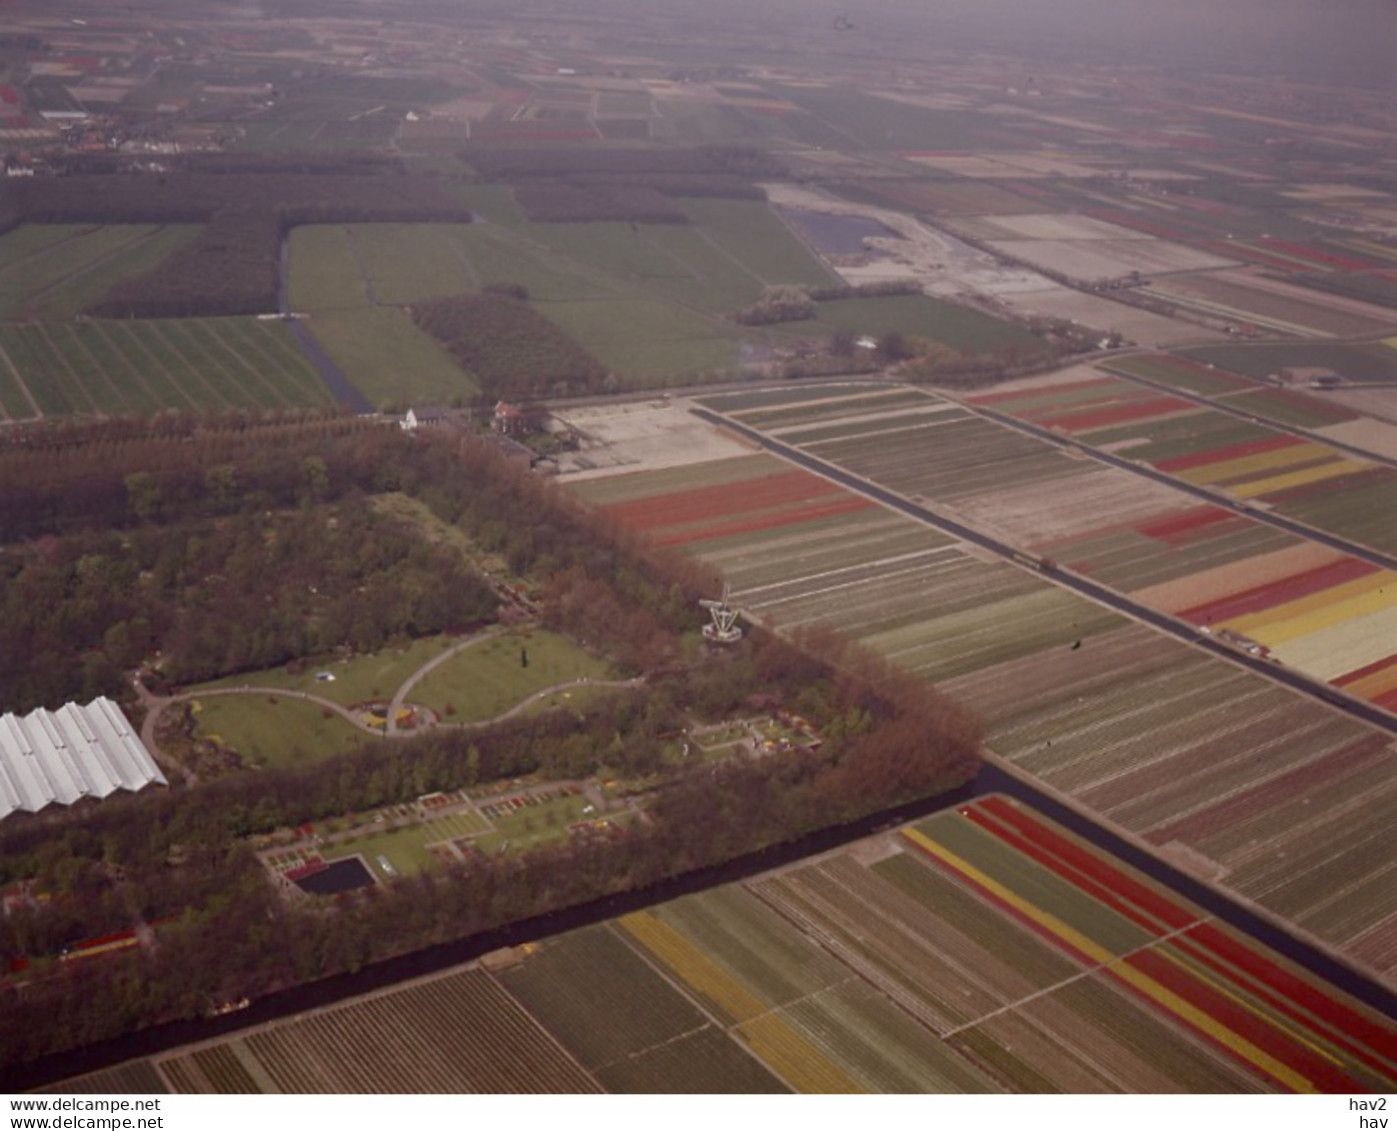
(982, 949)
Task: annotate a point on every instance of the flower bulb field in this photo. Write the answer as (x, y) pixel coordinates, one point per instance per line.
(982, 949)
(1274, 796)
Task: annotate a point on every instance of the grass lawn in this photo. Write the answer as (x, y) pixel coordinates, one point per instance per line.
(487, 679)
(406, 849)
(289, 732)
(141, 365)
(356, 680)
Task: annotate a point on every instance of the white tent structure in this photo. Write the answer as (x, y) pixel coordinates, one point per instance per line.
(59, 757)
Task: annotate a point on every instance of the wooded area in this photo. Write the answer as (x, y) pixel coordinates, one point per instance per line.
(195, 522)
(512, 350)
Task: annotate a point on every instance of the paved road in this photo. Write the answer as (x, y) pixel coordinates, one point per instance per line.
(1083, 585)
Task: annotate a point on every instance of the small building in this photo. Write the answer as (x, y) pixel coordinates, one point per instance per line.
(430, 416)
(509, 420)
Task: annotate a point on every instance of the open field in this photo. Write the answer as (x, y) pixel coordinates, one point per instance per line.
(389, 359)
(52, 271)
(144, 366)
(273, 730)
(1100, 313)
(924, 317)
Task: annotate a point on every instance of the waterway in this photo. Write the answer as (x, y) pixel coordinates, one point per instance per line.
(991, 779)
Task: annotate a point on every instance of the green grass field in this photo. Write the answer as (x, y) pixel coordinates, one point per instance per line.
(487, 679)
(924, 317)
(289, 732)
(52, 271)
(323, 273)
(389, 359)
(649, 301)
(100, 366)
(646, 338)
(357, 680)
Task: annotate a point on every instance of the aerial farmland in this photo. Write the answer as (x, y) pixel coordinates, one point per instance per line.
(1017, 399)
(984, 949)
(1069, 688)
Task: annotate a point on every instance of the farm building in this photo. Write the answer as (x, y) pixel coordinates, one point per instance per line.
(434, 416)
(59, 757)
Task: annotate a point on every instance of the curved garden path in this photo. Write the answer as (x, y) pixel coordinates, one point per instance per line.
(156, 704)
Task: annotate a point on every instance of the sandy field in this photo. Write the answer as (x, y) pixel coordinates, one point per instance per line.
(642, 436)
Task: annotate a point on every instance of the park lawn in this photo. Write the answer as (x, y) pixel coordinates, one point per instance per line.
(357, 680)
(487, 679)
(389, 359)
(281, 733)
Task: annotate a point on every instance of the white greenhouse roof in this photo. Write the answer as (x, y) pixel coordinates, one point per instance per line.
(59, 757)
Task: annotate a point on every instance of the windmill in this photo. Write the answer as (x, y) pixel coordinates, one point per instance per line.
(722, 627)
